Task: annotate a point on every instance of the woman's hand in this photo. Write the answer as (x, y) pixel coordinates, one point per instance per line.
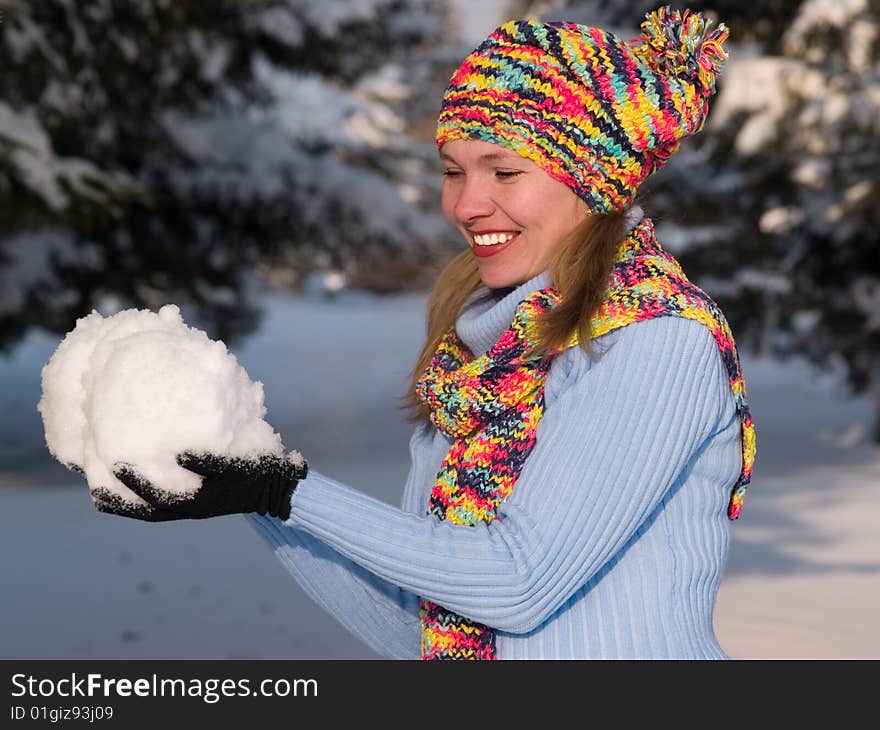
(229, 485)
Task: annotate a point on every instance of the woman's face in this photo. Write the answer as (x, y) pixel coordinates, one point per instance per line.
(511, 213)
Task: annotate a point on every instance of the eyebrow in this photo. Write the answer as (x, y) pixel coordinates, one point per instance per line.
(488, 157)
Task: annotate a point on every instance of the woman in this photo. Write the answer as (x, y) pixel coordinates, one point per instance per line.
(583, 434)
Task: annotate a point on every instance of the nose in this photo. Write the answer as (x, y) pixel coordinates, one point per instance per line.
(472, 200)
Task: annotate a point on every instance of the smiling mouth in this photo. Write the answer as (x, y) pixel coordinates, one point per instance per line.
(484, 245)
(491, 239)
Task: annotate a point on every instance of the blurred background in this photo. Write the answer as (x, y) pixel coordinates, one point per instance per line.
(268, 165)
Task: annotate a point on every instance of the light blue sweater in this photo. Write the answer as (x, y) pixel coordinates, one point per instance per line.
(613, 542)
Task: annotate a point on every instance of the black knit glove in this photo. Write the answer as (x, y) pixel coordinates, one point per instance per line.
(229, 486)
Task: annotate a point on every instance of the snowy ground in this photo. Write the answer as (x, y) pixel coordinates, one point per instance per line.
(802, 580)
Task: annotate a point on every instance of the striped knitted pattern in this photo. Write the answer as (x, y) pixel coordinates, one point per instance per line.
(596, 112)
(491, 407)
(647, 282)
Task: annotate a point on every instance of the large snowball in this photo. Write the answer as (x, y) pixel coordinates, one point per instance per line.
(141, 387)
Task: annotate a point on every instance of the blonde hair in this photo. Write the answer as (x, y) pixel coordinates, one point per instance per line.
(579, 268)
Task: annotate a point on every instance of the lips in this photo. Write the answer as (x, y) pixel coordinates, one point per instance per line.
(492, 249)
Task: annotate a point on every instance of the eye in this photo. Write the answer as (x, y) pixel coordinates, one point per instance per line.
(451, 173)
(507, 174)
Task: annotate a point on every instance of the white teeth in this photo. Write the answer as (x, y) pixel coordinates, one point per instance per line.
(491, 239)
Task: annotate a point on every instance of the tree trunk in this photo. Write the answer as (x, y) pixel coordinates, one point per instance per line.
(877, 416)
(769, 325)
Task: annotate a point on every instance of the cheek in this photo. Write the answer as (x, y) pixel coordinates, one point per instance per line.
(531, 207)
(563, 211)
(447, 204)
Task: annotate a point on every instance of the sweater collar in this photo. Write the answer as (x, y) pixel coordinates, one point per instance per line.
(488, 312)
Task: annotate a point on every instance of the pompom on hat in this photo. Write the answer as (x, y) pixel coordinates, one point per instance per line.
(596, 112)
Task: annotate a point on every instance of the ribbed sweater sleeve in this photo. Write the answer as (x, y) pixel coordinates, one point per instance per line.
(613, 443)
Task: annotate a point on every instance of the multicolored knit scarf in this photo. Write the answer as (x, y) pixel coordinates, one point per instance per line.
(491, 407)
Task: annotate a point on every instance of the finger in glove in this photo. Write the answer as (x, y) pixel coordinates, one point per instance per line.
(205, 465)
(110, 503)
(235, 468)
(144, 488)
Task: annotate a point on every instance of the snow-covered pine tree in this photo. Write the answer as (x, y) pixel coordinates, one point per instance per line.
(803, 123)
(155, 151)
(773, 207)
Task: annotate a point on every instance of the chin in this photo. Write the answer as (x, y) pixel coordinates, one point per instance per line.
(499, 282)
(501, 279)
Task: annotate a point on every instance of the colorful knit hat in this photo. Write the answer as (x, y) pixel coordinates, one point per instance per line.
(598, 113)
